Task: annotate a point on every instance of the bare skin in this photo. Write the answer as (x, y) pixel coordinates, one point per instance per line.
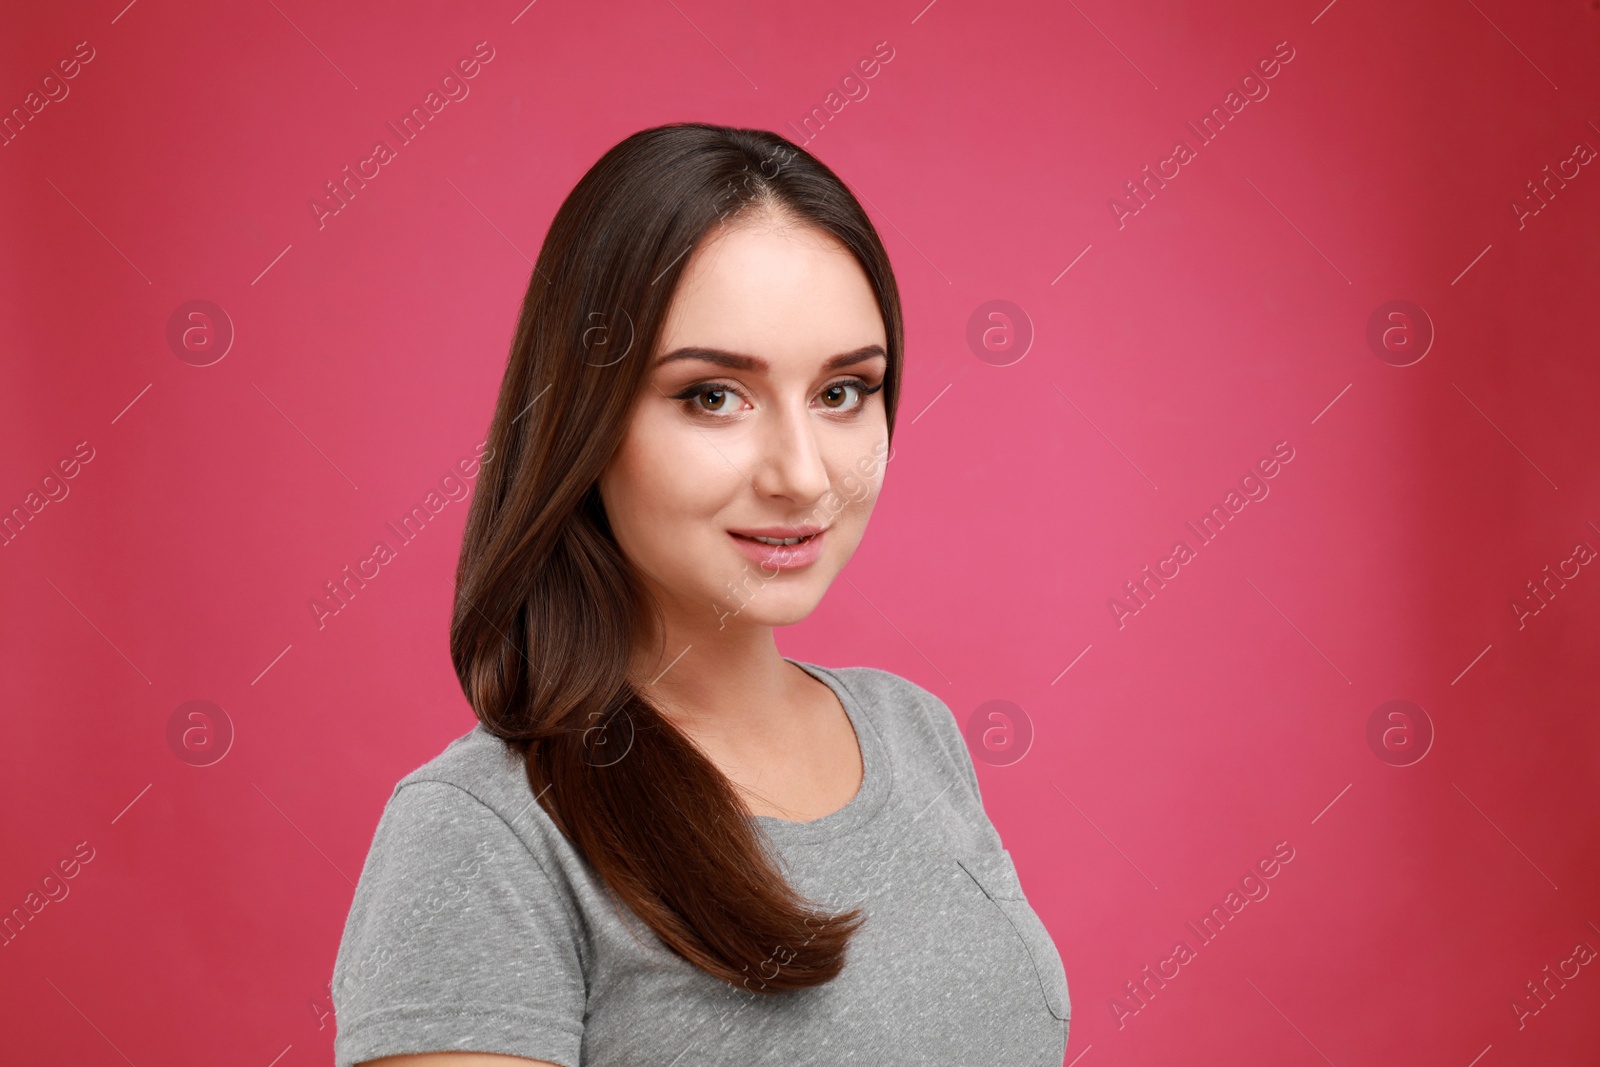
(813, 768)
(790, 444)
(786, 442)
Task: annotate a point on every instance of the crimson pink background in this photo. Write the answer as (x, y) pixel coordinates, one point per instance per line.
(1230, 714)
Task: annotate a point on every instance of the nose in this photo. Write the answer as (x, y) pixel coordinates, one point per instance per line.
(790, 463)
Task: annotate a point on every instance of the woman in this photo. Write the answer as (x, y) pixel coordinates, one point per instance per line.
(665, 843)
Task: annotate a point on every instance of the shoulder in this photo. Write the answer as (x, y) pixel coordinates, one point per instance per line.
(876, 685)
(478, 764)
(472, 794)
(910, 717)
(891, 698)
(464, 884)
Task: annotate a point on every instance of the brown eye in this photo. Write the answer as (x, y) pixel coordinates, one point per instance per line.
(710, 398)
(836, 396)
(716, 399)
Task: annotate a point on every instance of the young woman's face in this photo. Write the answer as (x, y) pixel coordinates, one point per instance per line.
(761, 416)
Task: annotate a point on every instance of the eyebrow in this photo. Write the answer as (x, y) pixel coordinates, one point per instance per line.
(741, 361)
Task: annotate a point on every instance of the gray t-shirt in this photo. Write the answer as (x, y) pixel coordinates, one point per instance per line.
(477, 927)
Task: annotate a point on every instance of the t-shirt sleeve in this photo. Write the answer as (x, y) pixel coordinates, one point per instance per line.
(457, 940)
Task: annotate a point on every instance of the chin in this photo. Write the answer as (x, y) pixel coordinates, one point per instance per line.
(772, 605)
(776, 619)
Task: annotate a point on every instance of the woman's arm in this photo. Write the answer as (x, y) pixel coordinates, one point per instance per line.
(457, 1059)
(456, 939)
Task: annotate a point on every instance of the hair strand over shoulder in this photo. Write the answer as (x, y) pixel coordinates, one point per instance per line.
(548, 611)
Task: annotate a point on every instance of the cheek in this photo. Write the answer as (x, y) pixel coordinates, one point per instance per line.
(663, 491)
(861, 507)
(859, 478)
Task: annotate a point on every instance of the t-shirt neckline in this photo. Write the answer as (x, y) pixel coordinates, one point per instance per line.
(875, 779)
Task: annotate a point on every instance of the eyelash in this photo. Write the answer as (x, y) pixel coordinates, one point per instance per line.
(699, 389)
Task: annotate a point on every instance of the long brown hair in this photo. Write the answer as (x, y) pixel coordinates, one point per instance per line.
(548, 610)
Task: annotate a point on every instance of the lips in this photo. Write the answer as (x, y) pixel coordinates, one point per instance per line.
(783, 548)
(778, 532)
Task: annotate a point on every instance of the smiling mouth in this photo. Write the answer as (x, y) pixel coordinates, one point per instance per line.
(775, 540)
(781, 548)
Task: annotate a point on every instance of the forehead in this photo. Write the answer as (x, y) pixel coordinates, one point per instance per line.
(774, 288)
